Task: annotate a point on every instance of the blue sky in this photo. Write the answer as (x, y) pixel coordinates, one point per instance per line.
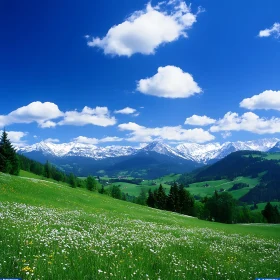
(197, 71)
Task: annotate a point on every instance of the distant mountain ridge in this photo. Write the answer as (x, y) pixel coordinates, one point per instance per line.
(199, 153)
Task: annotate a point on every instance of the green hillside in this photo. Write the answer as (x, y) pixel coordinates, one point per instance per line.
(207, 188)
(51, 231)
(261, 171)
(135, 189)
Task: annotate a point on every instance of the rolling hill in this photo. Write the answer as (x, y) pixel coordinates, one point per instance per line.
(49, 229)
(264, 168)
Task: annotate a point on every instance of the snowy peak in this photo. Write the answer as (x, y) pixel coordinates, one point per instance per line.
(276, 147)
(162, 148)
(215, 151)
(78, 149)
(199, 153)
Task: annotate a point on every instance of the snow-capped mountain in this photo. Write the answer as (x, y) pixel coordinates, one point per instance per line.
(163, 149)
(78, 149)
(275, 148)
(215, 151)
(199, 153)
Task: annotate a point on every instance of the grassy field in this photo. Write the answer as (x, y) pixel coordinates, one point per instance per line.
(133, 189)
(198, 189)
(26, 174)
(268, 156)
(201, 190)
(274, 156)
(51, 231)
(262, 205)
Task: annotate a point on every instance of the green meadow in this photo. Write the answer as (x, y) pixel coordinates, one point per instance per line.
(134, 189)
(51, 231)
(205, 188)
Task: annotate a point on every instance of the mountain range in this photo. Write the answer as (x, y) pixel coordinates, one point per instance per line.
(84, 159)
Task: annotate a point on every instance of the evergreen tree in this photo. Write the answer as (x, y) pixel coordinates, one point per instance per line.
(221, 207)
(161, 198)
(72, 180)
(151, 199)
(186, 202)
(141, 199)
(116, 192)
(91, 184)
(9, 161)
(172, 203)
(47, 169)
(271, 213)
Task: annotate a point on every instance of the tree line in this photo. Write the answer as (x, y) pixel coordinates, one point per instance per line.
(220, 207)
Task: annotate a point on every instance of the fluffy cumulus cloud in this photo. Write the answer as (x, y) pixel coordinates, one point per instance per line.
(125, 111)
(267, 100)
(34, 112)
(247, 122)
(45, 114)
(273, 31)
(199, 120)
(16, 137)
(99, 116)
(170, 133)
(147, 29)
(95, 141)
(169, 82)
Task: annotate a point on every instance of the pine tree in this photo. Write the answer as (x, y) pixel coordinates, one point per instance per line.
(151, 199)
(141, 199)
(72, 180)
(186, 201)
(161, 198)
(47, 169)
(116, 192)
(172, 203)
(9, 162)
(271, 213)
(91, 184)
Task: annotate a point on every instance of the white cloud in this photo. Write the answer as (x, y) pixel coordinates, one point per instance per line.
(144, 31)
(34, 112)
(86, 140)
(16, 137)
(52, 140)
(247, 122)
(268, 99)
(125, 111)
(95, 141)
(199, 120)
(273, 31)
(226, 134)
(170, 133)
(169, 82)
(95, 116)
(47, 124)
(110, 139)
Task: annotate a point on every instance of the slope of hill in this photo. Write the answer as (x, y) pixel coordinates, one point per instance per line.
(48, 229)
(263, 166)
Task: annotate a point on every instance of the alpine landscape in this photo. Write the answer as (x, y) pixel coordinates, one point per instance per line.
(140, 140)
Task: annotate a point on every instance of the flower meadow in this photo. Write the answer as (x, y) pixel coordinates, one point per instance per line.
(85, 236)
